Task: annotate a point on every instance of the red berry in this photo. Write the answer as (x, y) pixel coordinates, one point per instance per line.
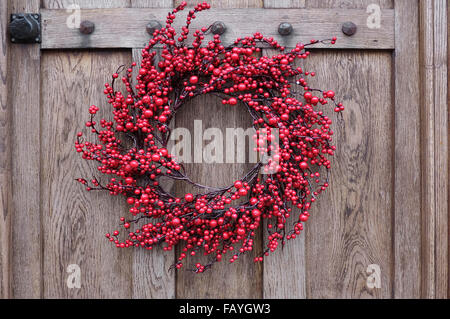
(232, 101)
(242, 191)
(176, 221)
(156, 157)
(304, 165)
(256, 213)
(148, 113)
(189, 197)
(193, 79)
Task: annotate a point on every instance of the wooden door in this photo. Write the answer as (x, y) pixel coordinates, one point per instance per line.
(387, 205)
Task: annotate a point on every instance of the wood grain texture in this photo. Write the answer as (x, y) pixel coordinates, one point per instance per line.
(151, 275)
(434, 146)
(151, 3)
(85, 4)
(441, 159)
(350, 224)
(285, 269)
(228, 4)
(26, 257)
(5, 159)
(242, 279)
(448, 148)
(74, 220)
(284, 4)
(407, 188)
(130, 33)
(387, 203)
(349, 4)
(427, 149)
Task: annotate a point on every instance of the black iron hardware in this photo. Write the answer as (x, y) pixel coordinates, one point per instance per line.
(285, 28)
(218, 27)
(349, 28)
(25, 28)
(87, 27)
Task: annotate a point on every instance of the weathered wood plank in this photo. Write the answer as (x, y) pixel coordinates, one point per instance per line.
(243, 278)
(441, 160)
(407, 189)
(129, 32)
(58, 4)
(226, 4)
(345, 4)
(277, 4)
(151, 275)
(285, 269)
(5, 159)
(427, 149)
(26, 255)
(434, 145)
(152, 3)
(74, 220)
(350, 224)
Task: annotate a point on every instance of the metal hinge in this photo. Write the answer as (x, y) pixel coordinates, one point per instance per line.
(25, 28)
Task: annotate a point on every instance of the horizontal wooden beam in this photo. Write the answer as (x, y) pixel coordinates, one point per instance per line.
(125, 28)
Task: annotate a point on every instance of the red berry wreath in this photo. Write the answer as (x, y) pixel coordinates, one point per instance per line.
(213, 223)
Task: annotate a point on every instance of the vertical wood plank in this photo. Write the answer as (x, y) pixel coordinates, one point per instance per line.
(26, 254)
(434, 146)
(242, 279)
(151, 275)
(441, 141)
(350, 224)
(75, 221)
(427, 149)
(448, 150)
(285, 269)
(5, 159)
(407, 188)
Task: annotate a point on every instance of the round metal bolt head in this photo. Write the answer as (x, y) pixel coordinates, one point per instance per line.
(285, 28)
(152, 26)
(349, 28)
(218, 27)
(87, 27)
